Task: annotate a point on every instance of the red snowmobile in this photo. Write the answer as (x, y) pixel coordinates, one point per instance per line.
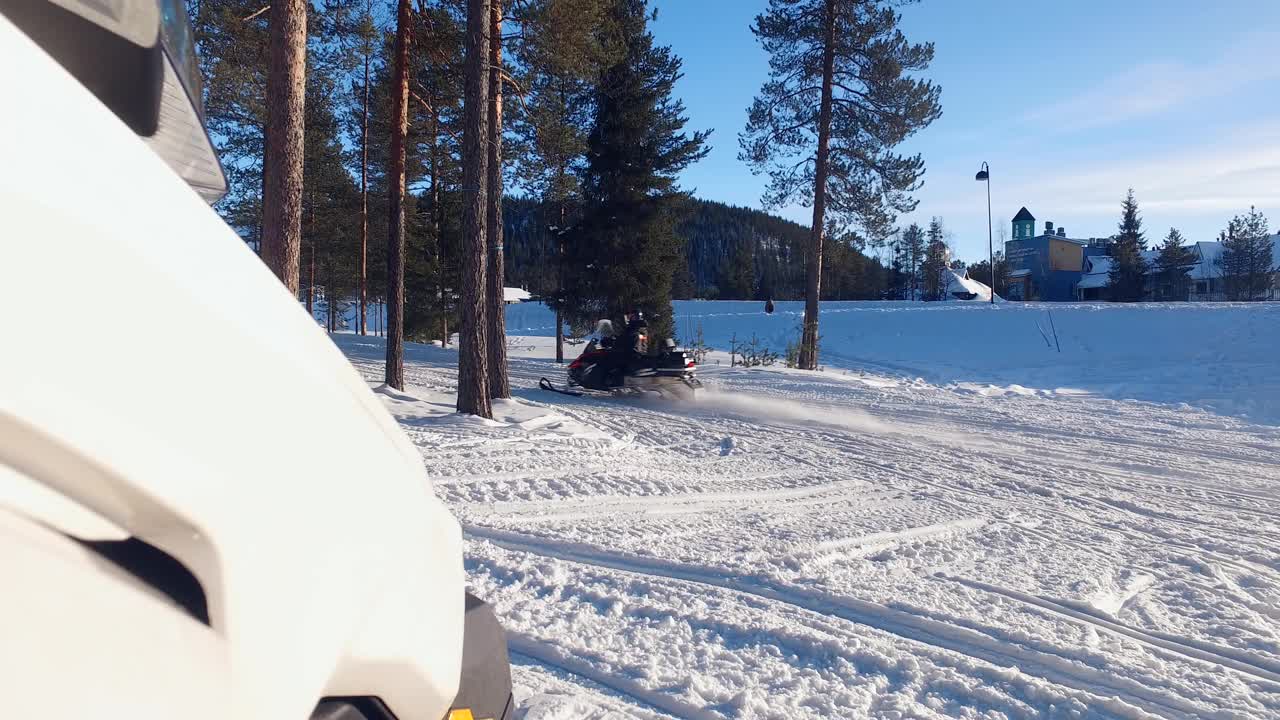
(625, 366)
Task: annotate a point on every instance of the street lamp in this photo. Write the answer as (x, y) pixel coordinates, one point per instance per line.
(984, 175)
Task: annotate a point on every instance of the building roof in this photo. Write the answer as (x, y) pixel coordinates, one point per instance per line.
(514, 295)
(1207, 256)
(1024, 214)
(958, 285)
(1097, 272)
(1097, 280)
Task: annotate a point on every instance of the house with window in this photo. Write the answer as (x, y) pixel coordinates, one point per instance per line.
(1205, 274)
(1043, 266)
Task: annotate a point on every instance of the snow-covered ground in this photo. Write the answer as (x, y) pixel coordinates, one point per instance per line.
(1223, 357)
(930, 528)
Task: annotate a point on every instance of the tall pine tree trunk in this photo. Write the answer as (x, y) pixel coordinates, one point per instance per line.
(311, 281)
(437, 225)
(395, 198)
(808, 359)
(560, 285)
(311, 273)
(473, 373)
(496, 317)
(282, 159)
(364, 197)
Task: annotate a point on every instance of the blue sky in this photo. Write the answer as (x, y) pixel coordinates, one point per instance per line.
(1070, 102)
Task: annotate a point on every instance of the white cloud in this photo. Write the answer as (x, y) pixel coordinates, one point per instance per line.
(1155, 87)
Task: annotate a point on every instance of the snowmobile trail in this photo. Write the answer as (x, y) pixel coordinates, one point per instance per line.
(844, 545)
(556, 658)
(1225, 656)
(960, 640)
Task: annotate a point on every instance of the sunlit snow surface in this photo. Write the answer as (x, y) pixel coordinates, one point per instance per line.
(912, 533)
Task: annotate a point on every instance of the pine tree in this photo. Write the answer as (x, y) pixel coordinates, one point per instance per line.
(898, 282)
(935, 262)
(437, 93)
(473, 373)
(1171, 267)
(356, 30)
(913, 252)
(624, 252)
(282, 160)
(839, 99)
(232, 41)
(1127, 277)
(1246, 260)
(495, 309)
(395, 199)
(328, 201)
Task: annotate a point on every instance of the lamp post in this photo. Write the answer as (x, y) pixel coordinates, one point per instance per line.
(984, 175)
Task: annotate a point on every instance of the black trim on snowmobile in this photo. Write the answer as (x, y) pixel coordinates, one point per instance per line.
(546, 384)
(603, 369)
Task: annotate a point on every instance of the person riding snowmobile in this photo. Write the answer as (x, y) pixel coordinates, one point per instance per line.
(634, 337)
(627, 362)
(625, 350)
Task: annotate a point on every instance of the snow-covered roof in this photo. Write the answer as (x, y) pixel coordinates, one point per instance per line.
(956, 284)
(1097, 272)
(1097, 264)
(1020, 272)
(514, 295)
(1208, 254)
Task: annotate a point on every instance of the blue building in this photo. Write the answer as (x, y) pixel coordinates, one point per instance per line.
(1044, 266)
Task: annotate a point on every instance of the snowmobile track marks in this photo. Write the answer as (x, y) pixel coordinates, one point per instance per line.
(1227, 657)
(521, 644)
(927, 631)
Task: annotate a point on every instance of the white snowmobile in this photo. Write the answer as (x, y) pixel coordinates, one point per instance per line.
(177, 539)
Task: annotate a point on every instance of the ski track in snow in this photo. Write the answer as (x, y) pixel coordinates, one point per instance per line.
(862, 545)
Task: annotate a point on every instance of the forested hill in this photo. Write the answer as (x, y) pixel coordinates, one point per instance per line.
(731, 252)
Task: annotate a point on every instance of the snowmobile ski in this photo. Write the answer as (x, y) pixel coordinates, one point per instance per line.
(605, 368)
(546, 384)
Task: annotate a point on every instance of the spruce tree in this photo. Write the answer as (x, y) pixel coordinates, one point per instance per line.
(935, 262)
(1127, 277)
(1171, 267)
(839, 99)
(1246, 260)
(625, 250)
(913, 252)
(898, 283)
(562, 47)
